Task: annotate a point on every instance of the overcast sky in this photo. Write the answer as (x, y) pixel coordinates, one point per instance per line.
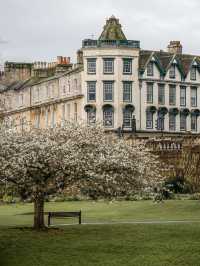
(42, 29)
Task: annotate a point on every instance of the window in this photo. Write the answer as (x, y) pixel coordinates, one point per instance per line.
(69, 86)
(64, 89)
(183, 122)
(161, 94)
(21, 100)
(63, 114)
(127, 66)
(193, 96)
(91, 65)
(47, 118)
(172, 95)
(127, 91)
(68, 111)
(172, 122)
(108, 65)
(193, 123)
(183, 96)
(91, 90)
(37, 119)
(108, 87)
(150, 69)
(149, 120)
(91, 117)
(127, 118)
(75, 112)
(193, 73)
(108, 117)
(149, 92)
(75, 85)
(37, 94)
(172, 71)
(48, 91)
(53, 118)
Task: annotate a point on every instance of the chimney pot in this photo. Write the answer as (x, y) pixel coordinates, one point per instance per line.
(175, 47)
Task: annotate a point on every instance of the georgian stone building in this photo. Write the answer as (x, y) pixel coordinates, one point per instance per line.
(113, 81)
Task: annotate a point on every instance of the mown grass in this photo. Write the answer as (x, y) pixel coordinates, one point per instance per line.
(102, 245)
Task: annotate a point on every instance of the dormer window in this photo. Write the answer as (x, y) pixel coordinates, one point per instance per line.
(150, 69)
(172, 71)
(193, 73)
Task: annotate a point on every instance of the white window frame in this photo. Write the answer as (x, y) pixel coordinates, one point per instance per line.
(127, 91)
(91, 91)
(149, 120)
(108, 90)
(150, 69)
(91, 65)
(108, 65)
(193, 98)
(161, 94)
(182, 95)
(172, 94)
(183, 122)
(172, 122)
(149, 87)
(108, 117)
(127, 65)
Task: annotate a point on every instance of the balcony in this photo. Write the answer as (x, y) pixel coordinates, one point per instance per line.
(88, 43)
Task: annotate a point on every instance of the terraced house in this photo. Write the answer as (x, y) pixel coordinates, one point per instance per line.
(114, 82)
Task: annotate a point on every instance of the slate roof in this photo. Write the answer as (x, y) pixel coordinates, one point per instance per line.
(165, 59)
(18, 85)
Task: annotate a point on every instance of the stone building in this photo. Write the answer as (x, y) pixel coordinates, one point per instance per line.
(114, 82)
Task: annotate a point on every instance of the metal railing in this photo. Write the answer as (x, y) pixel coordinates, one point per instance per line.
(89, 43)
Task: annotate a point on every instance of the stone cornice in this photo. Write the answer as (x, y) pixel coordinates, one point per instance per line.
(183, 83)
(43, 104)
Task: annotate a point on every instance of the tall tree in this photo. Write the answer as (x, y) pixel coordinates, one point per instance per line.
(41, 161)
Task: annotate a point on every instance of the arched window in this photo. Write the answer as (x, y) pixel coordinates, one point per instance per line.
(183, 119)
(127, 115)
(91, 114)
(108, 115)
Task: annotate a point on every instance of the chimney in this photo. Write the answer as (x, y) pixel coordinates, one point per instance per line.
(79, 57)
(175, 47)
(59, 60)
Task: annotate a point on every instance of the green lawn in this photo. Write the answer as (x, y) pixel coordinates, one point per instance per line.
(102, 245)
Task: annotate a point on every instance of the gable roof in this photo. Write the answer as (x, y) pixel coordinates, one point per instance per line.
(165, 59)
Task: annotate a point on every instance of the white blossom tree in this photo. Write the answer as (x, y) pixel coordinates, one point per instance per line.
(40, 161)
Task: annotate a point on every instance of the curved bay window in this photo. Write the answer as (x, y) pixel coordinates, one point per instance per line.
(194, 116)
(172, 118)
(91, 114)
(183, 119)
(108, 115)
(127, 115)
(149, 116)
(162, 111)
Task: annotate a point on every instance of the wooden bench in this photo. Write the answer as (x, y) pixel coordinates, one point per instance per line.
(64, 215)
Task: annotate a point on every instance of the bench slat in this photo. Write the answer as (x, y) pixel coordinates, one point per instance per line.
(64, 214)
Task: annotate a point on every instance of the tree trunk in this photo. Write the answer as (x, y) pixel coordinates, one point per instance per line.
(39, 211)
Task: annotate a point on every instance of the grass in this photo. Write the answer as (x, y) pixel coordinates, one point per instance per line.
(104, 245)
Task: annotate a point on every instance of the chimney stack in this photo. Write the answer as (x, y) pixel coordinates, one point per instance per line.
(59, 60)
(175, 47)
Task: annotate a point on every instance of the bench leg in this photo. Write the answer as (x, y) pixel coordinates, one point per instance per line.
(80, 218)
(49, 220)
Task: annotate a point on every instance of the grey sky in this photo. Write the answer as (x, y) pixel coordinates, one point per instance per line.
(42, 29)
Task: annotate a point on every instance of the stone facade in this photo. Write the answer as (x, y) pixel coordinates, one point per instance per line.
(114, 82)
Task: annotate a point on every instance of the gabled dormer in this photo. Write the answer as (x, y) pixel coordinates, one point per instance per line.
(194, 69)
(150, 66)
(174, 69)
